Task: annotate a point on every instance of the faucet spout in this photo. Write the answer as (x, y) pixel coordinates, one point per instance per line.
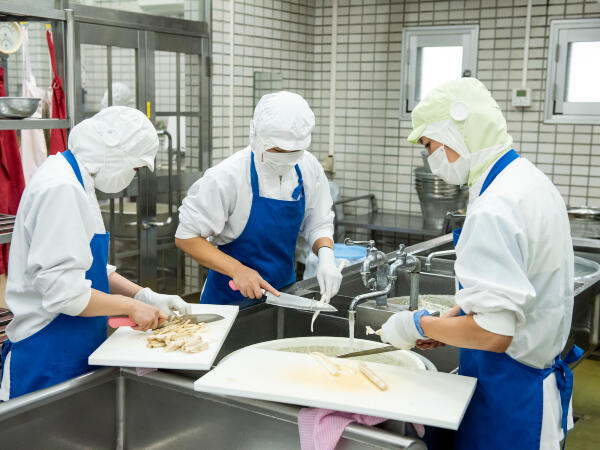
(364, 297)
(434, 254)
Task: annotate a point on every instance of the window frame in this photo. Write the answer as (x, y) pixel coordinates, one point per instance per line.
(556, 109)
(433, 36)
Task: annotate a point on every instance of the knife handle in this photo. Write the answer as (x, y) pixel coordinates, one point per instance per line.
(116, 322)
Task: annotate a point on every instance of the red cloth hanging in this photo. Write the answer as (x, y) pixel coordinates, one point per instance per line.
(12, 181)
(58, 138)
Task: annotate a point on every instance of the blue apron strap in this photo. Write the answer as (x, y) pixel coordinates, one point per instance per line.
(500, 165)
(253, 177)
(300, 188)
(73, 163)
(564, 381)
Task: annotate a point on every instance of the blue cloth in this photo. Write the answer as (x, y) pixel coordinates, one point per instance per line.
(60, 350)
(507, 406)
(267, 244)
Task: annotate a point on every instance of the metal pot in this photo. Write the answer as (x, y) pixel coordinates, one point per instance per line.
(585, 221)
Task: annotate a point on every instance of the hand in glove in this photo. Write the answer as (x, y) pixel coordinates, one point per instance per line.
(166, 303)
(403, 329)
(328, 276)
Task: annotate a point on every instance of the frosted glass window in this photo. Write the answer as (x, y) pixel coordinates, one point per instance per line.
(432, 56)
(572, 84)
(437, 66)
(584, 72)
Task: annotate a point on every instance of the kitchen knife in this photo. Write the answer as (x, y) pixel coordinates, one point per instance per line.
(292, 301)
(373, 351)
(123, 321)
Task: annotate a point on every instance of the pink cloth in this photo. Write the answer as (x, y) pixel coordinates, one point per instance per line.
(141, 371)
(321, 429)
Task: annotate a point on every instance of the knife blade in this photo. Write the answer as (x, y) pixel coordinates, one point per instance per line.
(373, 351)
(124, 321)
(292, 301)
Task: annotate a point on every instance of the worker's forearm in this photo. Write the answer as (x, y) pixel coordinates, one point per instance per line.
(322, 242)
(122, 286)
(208, 255)
(463, 332)
(102, 304)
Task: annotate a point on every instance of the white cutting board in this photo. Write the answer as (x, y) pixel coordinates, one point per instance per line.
(419, 396)
(127, 347)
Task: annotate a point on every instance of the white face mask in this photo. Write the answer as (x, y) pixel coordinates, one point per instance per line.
(111, 183)
(452, 173)
(281, 163)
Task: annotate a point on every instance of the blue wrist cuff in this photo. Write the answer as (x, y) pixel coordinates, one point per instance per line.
(417, 318)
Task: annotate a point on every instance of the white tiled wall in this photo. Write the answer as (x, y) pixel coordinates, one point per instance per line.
(372, 154)
(269, 36)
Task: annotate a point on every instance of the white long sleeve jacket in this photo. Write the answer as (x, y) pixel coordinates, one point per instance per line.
(218, 205)
(50, 249)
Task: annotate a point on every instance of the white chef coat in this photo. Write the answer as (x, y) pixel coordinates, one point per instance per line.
(515, 262)
(50, 250)
(218, 205)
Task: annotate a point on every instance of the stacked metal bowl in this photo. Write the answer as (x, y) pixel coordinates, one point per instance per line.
(437, 197)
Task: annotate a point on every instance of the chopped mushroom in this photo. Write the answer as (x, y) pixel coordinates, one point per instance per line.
(178, 334)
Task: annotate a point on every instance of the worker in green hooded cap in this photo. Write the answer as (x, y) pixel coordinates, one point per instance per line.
(514, 266)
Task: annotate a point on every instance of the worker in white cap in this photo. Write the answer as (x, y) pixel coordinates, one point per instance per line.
(60, 287)
(121, 95)
(514, 263)
(254, 204)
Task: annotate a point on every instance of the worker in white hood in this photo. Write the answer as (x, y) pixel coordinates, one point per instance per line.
(60, 287)
(253, 205)
(514, 263)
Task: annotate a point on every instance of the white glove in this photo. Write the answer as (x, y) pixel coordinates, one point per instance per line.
(166, 303)
(328, 276)
(401, 330)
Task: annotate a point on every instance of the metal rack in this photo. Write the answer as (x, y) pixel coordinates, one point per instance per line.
(7, 224)
(27, 10)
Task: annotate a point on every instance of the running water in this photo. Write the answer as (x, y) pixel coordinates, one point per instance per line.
(351, 330)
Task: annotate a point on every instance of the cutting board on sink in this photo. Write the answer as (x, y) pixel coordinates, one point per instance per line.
(127, 347)
(419, 396)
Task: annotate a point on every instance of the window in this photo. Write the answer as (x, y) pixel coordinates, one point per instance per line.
(433, 55)
(573, 86)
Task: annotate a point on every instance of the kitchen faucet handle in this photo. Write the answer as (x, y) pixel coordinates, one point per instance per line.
(369, 244)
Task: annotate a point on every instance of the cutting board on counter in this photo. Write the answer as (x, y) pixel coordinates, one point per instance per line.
(419, 396)
(127, 347)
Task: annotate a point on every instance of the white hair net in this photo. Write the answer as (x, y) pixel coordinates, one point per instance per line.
(283, 120)
(115, 141)
(120, 95)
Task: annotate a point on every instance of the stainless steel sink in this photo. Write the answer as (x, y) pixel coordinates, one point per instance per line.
(110, 408)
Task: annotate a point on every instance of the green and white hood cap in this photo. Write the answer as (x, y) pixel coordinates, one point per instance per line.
(463, 115)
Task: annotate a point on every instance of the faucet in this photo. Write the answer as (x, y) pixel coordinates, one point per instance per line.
(407, 263)
(434, 254)
(375, 258)
(403, 262)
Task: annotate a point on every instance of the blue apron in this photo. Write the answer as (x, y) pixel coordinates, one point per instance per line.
(267, 244)
(60, 350)
(507, 406)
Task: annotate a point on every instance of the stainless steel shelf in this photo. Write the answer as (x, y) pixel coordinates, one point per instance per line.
(30, 124)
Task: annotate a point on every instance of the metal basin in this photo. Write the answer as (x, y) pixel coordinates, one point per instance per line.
(334, 346)
(585, 268)
(18, 107)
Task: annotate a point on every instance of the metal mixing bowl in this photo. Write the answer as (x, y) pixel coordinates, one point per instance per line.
(18, 107)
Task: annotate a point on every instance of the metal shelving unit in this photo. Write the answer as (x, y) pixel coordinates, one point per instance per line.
(27, 10)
